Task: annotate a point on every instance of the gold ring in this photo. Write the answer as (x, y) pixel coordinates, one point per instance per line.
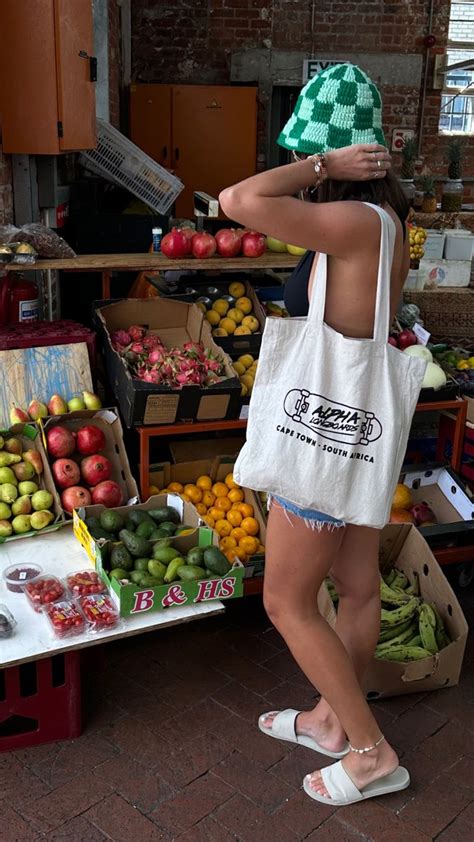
(379, 164)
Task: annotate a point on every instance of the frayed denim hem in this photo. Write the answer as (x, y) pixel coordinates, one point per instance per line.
(312, 519)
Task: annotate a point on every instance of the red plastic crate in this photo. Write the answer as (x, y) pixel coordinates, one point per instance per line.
(40, 702)
(61, 332)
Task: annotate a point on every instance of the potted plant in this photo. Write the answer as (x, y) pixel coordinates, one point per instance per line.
(453, 189)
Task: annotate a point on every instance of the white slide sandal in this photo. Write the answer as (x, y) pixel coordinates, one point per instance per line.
(284, 728)
(343, 791)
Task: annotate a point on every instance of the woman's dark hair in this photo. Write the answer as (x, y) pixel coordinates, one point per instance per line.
(386, 191)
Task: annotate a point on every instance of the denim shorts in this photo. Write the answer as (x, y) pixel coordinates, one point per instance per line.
(312, 518)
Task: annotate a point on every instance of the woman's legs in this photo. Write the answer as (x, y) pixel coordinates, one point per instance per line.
(297, 560)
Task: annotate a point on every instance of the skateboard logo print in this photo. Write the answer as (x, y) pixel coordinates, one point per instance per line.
(332, 420)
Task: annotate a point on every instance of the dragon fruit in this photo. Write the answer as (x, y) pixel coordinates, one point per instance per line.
(137, 348)
(120, 339)
(136, 333)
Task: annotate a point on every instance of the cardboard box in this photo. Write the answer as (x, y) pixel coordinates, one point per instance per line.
(443, 492)
(185, 451)
(109, 422)
(133, 599)
(445, 273)
(145, 403)
(404, 547)
(217, 469)
(31, 440)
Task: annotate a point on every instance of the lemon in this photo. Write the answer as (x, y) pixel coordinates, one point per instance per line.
(251, 322)
(239, 368)
(213, 317)
(243, 390)
(202, 306)
(221, 306)
(246, 360)
(219, 331)
(242, 330)
(236, 289)
(236, 315)
(244, 304)
(228, 324)
(247, 380)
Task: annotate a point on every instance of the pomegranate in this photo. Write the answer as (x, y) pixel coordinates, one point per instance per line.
(253, 244)
(393, 341)
(228, 242)
(89, 440)
(60, 442)
(406, 338)
(95, 468)
(75, 497)
(107, 493)
(203, 245)
(175, 244)
(66, 473)
(422, 514)
(189, 234)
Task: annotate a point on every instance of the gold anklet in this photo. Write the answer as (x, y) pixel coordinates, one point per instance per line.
(369, 748)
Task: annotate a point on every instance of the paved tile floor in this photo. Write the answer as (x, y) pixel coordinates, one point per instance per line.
(171, 750)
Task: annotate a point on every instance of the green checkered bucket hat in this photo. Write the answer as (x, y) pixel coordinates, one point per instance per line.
(338, 107)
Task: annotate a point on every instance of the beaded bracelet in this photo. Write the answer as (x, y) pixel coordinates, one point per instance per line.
(320, 168)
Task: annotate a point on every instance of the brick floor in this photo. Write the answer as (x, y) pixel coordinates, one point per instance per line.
(171, 750)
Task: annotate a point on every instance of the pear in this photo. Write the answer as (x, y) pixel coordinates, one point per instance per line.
(8, 459)
(21, 524)
(14, 445)
(41, 519)
(91, 400)
(42, 500)
(35, 459)
(6, 528)
(57, 405)
(21, 506)
(37, 410)
(5, 511)
(76, 404)
(27, 488)
(8, 492)
(24, 471)
(18, 416)
(7, 475)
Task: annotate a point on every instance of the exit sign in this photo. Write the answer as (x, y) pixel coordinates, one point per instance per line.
(313, 66)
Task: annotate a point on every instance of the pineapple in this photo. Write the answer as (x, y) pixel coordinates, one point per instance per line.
(454, 154)
(429, 194)
(409, 154)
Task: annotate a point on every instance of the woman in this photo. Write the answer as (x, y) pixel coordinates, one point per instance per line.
(339, 114)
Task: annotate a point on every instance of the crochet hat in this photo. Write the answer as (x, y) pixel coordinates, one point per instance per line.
(338, 107)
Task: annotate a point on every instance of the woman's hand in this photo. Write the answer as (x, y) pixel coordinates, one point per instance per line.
(361, 162)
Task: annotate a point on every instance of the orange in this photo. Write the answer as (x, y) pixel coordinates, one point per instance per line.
(236, 495)
(230, 482)
(234, 517)
(227, 543)
(220, 489)
(216, 513)
(176, 486)
(401, 516)
(402, 497)
(245, 509)
(210, 521)
(238, 533)
(204, 482)
(240, 554)
(186, 498)
(223, 528)
(224, 504)
(208, 498)
(249, 545)
(261, 549)
(194, 493)
(153, 489)
(202, 509)
(250, 525)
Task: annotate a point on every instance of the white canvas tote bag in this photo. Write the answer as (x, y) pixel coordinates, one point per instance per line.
(330, 415)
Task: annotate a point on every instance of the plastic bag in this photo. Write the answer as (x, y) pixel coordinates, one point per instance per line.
(45, 241)
(8, 234)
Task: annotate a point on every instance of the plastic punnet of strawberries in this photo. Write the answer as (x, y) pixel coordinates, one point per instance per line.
(149, 360)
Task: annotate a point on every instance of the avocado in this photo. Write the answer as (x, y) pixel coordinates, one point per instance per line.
(211, 575)
(157, 534)
(136, 576)
(168, 528)
(195, 556)
(216, 561)
(92, 523)
(137, 516)
(164, 554)
(98, 533)
(111, 521)
(138, 547)
(141, 564)
(145, 529)
(191, 573)
(119, 573)
(120, 557)
(156, 568)
(150, 581)
(163, 514)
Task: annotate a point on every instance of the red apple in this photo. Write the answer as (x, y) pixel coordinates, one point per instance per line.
(90, 440)
(66, 473)
(75, 497)
(228, 242)
(203, 245)
(406, 338)
(107, 493)
(60, 442)
(253, 244)
(96, 468)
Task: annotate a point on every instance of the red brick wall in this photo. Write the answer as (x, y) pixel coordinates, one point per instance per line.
(184, 42)
(114, 61)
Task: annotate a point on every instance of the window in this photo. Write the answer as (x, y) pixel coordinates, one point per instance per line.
(457, 99)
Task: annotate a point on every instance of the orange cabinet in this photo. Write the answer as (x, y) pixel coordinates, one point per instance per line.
(47, 71)
(206, 134)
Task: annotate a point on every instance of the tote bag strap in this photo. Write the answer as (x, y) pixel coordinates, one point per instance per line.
(317, 304)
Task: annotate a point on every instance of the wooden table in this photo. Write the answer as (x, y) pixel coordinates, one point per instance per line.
(108, 263)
